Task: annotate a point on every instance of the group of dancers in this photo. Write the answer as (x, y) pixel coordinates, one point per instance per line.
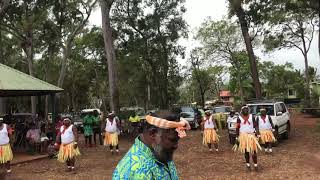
(66, 141)
(251, 131)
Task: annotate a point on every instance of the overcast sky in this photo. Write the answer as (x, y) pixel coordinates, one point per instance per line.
(199, 10)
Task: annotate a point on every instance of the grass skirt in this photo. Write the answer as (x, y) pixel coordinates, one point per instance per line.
(111, 139)
(210, 136)
(5, 153)
(247, 143)
(67, 151)
(267, 136)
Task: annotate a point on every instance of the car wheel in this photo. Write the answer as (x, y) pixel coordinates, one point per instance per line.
(276, 135)
(287, 133)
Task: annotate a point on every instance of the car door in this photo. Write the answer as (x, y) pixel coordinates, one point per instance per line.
(281, 116)
(277, 117)
(285, 113)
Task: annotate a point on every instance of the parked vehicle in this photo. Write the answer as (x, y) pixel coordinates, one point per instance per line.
(222, 109)
(189, 114)
(220, 113)
(276, 110)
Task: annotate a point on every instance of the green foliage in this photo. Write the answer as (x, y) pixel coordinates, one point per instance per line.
(150, 37)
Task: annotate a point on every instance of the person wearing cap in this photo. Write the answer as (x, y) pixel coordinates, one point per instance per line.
(266, 129)
(68, 137)
(247, 132)
(111, 132)
(210, 135)
(6, 154)
(150, 157)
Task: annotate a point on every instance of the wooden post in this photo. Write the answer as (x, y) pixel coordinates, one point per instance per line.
(53, 111)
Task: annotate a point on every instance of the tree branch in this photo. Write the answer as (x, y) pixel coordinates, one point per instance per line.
(310, 40)
(12, 31)
(4, 6)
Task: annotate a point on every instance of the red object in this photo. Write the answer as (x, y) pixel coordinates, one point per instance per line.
(225, 94)
(246, 119)
(263, 118)
(57, 146)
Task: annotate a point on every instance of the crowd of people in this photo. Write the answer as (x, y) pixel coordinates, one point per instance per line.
(151, 155)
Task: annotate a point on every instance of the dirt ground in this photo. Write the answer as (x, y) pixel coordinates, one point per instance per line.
(296, 158)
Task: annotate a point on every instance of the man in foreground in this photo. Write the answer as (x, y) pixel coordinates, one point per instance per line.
(151, 155)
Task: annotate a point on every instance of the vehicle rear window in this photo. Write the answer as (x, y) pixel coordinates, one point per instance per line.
(221, 109)
(284, 109)
(187, 109)
(187, 114)
(255, 109)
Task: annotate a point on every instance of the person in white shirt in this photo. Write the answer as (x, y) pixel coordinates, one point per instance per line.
(247, 137)
(111, 132)
(266, 129)
(6, 154)
(68, 138)
(232, 117)
(210, 135)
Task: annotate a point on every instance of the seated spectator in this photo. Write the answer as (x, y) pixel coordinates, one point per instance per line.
(33, 138)
(43, 139)
(51, 149)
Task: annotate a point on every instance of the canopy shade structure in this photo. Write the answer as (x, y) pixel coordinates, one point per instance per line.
(16, 83)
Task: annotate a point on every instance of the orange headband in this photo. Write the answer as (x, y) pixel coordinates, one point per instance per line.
(180, 126)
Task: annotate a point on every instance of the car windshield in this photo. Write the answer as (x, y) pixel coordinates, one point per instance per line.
(187, 109)
(221, 109)
(254, 109)
(187, 114)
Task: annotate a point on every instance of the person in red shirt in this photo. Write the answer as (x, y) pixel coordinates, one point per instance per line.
(59, 123)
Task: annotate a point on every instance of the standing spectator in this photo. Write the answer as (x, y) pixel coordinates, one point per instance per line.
(134, 121)
(96, 127)
(88, 129)
(59, 123)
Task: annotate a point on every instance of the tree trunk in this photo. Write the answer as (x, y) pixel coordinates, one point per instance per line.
(245, 32)
(63, 69)
(29, 52)
(240, 87)
(306, 64)
(111, 56)
(307, 86)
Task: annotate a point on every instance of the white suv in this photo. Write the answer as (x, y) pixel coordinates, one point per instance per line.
(279, 114)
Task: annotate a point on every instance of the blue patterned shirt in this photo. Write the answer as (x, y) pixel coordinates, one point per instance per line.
(140, 163)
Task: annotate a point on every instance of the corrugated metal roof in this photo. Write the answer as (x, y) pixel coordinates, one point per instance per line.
(17, 83)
